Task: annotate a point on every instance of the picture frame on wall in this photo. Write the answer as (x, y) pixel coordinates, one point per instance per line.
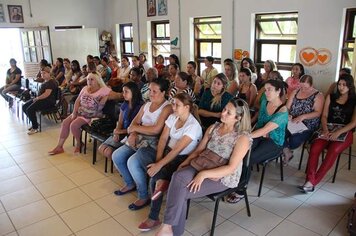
(151, 7)
(15, 13)
(162, 8)
(2, 13)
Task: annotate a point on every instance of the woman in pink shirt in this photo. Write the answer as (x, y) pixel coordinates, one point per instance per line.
(293, 81)
(88, 105)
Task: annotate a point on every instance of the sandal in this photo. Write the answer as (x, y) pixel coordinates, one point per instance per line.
(234, 198)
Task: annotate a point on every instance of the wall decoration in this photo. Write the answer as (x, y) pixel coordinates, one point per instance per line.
(151, 7)
(162, 7)
(174, 41)
(15, 13)
(309, 56)
(240, 54)
(2, 14)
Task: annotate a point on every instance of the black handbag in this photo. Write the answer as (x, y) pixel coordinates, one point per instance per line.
(103, 125)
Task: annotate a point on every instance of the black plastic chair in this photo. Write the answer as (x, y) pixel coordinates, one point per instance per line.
(264, 165)
(53, 113)
(337, 163)
(241, 188)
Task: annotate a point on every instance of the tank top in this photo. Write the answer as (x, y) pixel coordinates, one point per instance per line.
(150, 118)
(305, 106)
(341, 113)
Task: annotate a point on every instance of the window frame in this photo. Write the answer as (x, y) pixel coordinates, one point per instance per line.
(278, 41)
(198, 41)
(155, 40)
(348, 38)
(39, 46)
(124, 40)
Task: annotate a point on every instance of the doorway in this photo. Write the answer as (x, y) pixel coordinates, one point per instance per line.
(10, 47)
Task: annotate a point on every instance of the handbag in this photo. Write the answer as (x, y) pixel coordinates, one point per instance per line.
(208, 160)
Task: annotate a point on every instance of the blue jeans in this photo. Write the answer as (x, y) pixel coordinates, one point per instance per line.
(120, 157)
(137, 165)
(297, 139)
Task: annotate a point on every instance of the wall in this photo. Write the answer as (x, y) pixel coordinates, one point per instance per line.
(320, 25)
(59, 13)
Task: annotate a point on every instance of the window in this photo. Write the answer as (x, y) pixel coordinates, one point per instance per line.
(349, 38)
(126, 39)
(276, 39)
(207, 35)
(35, 45)
(161, 43)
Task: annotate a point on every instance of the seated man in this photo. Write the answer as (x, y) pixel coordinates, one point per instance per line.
(46, 99)
(13, 81)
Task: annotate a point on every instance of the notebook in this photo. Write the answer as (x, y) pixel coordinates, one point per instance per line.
(333, 127)
(296, 127)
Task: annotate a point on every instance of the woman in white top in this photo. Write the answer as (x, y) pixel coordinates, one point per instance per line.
(143, 131)
(179, 138)
(124, 70)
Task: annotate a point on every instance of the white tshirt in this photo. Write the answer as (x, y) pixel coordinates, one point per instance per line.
(191, 128)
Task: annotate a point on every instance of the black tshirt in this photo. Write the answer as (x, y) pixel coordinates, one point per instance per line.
(341, 113)
(10, 76)
(50, 84)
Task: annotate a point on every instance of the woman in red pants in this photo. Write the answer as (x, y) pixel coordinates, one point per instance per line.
(339, 108)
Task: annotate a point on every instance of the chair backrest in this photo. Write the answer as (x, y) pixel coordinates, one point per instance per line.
(246, 171)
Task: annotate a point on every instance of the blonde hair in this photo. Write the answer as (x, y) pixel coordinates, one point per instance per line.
(243, 111)
(98, 79)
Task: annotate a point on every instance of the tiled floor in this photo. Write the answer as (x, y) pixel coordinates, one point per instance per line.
(67, 195)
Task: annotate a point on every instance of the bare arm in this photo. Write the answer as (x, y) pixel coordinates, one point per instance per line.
(44, 95)
(318, 108)
(346, 128)
(17, 78)
(253, 94)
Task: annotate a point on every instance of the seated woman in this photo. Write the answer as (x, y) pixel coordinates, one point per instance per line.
(151, 74)
(128, 110)
(105, 71)
(247, 90)
(293, 81)
(268, 66)
(67, 72)
(231, 75)
(143, 132)
(173, 70)
(13, 81)
(159, 65)
(209, 73)
(248, 63)
(213, 101)
(43, 64)
(182, 84)
(124, 69)
(332, 88)
(46, 99)
(304, 105)
(180, 136)
(88, 105)
(229, 140)
(73, 86)
(339, 108)
(197, 80)
(58, 71)
(269, 135)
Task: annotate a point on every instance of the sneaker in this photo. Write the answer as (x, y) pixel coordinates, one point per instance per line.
(146, 226)
(29, 128)
(32, 131)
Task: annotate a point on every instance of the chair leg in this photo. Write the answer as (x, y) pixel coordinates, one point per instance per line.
(336, 167)
(95, 144)
(85, 142)
(40, 122)
(281, 166)
(188, 205)
(350, 151)
(212, 230)
(301, 157)
(106, 164)
(261, 181)
(247, 204)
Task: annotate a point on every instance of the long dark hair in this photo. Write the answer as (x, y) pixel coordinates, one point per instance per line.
(349, 83)
(252, 64)
(278, 85)
(185, 77)
(136, 99)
